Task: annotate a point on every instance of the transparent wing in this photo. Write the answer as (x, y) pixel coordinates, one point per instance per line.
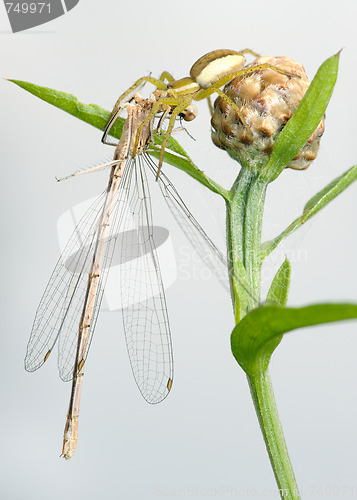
(145, 316)
(204, 246)
(58, 315)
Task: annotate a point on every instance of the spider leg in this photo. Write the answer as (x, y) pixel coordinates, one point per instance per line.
(236, 109)
(216, 87)
(165, 102)
(165, 75)
(202, 94)
(185, 101)
(117, 108)
(210, 107)
(246, 71)
(248, 51)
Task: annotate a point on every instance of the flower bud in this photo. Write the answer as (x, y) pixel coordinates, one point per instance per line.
(266, 100)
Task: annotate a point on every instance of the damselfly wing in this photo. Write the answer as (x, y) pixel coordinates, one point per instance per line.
(69, 308)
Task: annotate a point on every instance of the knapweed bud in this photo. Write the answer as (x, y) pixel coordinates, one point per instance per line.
(267, 100)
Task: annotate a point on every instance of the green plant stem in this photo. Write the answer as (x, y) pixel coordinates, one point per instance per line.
(266, 410)
(236, 206)
(252, 238)
(244, 224)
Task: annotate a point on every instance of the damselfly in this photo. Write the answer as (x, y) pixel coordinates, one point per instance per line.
(69, 308)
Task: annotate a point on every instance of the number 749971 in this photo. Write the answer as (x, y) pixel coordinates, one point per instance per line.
(31, 8)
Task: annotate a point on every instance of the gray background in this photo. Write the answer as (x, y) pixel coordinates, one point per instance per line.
(204, 440)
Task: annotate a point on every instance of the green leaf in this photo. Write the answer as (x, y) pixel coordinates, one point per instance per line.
(329, 193)
(279, 288)
(255, 338)
(305, 119)
(278, 294)
(189, 167)
(314, 205)
(89, 113)
(98, 117)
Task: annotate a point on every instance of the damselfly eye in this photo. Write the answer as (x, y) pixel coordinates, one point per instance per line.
(190, 113)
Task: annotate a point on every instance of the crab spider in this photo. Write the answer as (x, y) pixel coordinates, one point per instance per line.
(208, 74)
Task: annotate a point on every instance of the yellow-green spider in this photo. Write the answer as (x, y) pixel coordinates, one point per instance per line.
(208, 74)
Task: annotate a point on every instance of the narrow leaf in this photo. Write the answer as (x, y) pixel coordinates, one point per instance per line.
(98, 117)
(279, 288)
(278, 294)
(189, 167)
(314, 205)
(305, 119)
(255, 338)
(89, 113)
(329, 193)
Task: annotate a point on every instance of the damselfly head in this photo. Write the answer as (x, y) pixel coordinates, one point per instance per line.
(189, 113)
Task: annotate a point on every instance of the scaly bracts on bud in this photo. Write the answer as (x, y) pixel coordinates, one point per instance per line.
(267, 100)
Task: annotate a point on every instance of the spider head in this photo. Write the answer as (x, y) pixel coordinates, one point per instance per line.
(183, 86)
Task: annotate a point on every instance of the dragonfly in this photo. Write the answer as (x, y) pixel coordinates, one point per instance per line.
(69, 308)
